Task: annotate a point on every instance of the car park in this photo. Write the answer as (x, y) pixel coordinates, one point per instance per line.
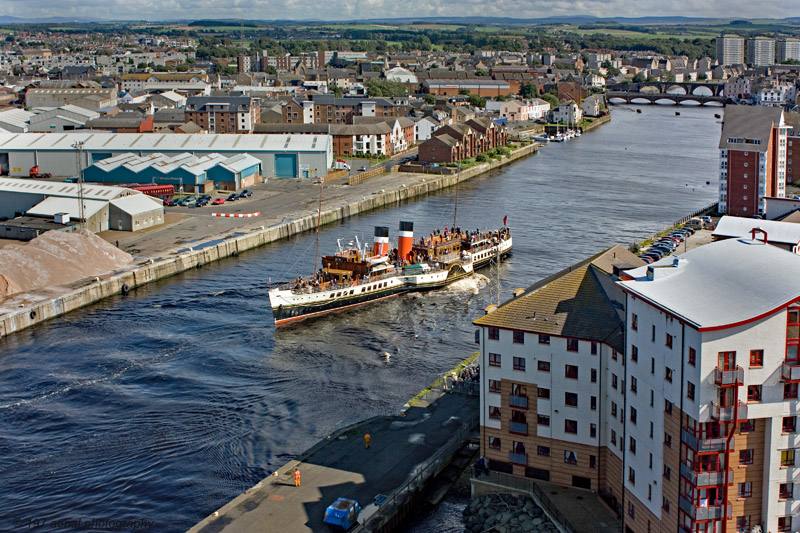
(218, 201)
(202, 202)
(646, 258)
(172, 201)
(190, 202)
(232, 197)
(246, 193)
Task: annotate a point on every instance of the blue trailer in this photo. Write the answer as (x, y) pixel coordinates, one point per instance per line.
(343, 513)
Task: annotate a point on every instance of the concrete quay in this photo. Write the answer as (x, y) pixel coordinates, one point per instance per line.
(165, 259)
(406, 451)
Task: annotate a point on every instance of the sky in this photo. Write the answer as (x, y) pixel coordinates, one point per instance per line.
(368, 9)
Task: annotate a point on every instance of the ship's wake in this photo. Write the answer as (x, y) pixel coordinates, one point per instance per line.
(472, 284)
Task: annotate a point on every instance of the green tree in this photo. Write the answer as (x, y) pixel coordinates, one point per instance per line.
(551, 99)
(272, 71)
(639, 78)
(463, 91)
(430, 99)
(477, 101)
(527, 90)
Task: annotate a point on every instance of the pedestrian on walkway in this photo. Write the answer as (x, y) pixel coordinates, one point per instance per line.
(296, 477)
(367, 438)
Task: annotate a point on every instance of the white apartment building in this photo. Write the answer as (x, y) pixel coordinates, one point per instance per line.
(787, 49)
(760, 51)
(730, 50)
(675, 399)
(777, 95)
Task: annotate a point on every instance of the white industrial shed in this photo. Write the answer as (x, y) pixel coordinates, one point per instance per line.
(59, 119)
(281, 155)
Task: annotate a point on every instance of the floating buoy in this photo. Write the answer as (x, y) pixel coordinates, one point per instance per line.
(125, 289)
(235, 253)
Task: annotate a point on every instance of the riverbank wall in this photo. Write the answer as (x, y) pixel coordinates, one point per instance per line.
(86, 292)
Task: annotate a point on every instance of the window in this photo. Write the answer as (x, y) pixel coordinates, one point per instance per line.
(592, 430)
(633, 415)
(745, 490)
(592, 461)
(543, 366)
(669, 341)
(651, 430)
(667, 440)
(593, 350)
(784, 523)
(786, 491)
(519, 363)
(632, 445)
(790, 391)
(743, 523)
(652, 398)
(614, 381)
(613, 410)
(494, 333)
(690, 390)
(572, 345)
(668, 374)
(544, 451)
(519, 337)
(633, 384)
(613, 437)
(754, 393)
(652, 365)
(631, 475)
(665, 504)
(571, 399)
(570, 457)
(653, 333)
(544, 339)
(746, 457)
(494, 385)
(494, 443)
(542, 393)
(668, 407)
(789, 424)
(756, 358)
(593, 403)
(746, 426)
(692, 356)
(650, 461)
(571, 371)
(634, 353)
(667, 472)
(593, 375)
(634, 322)
(494, 359)
(494, 413)
(570, 426)
(543, 420)
(787, 457)
(613, 355)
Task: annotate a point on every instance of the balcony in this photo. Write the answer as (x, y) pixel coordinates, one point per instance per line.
(701, 512)
(521, 428)
(704, 445)
(790, 373)
(518, 458)
(728, 414)
(706, 479)
(729, 378)
(518, 401)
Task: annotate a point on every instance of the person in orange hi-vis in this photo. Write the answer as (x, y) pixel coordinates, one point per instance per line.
(367, 438)
(296, 477)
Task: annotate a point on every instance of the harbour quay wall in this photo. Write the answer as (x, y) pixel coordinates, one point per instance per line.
(86, 292)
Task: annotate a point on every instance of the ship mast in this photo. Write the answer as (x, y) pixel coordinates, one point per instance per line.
(455, 209)
(319, 221)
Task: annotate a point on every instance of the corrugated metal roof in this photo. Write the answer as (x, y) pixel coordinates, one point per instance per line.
(241, 162)
(220, 142)
(52, 188)
(16, 117)
(781, 232)
(138, 204)
(53, 205)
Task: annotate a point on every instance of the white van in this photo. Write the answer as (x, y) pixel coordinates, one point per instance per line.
(695, 223)
(341, 164)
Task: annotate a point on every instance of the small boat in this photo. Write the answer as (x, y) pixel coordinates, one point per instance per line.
(638, 110)
(677, 113)
(541, 138)
(359, 275)
(717, 115)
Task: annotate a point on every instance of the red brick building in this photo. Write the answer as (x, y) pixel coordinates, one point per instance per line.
(753, 147)
(458, 141)
(327, 109)
(223, 114)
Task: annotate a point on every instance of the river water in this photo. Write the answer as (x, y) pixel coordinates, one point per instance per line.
(165, 404)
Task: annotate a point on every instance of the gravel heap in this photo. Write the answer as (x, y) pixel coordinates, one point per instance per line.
(505, 513)
(56, 258)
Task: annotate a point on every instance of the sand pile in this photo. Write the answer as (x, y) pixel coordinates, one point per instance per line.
(56, 258)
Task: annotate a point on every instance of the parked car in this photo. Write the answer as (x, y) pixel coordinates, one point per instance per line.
(172, 201)
(191, 201)
(246, 193)
(218, 201)
(707, 220)
(232, 197)
(363, 168)
(202, 202)
(646, 258)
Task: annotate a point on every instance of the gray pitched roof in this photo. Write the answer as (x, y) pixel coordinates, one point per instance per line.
(748, 128)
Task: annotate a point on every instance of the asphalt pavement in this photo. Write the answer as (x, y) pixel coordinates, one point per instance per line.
(341, 466)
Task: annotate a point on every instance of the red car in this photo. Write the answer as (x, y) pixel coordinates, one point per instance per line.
(218, 201)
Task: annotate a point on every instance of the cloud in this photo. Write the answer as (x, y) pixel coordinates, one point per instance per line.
(369, 9)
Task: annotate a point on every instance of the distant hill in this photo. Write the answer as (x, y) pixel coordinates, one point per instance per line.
(6, 19)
